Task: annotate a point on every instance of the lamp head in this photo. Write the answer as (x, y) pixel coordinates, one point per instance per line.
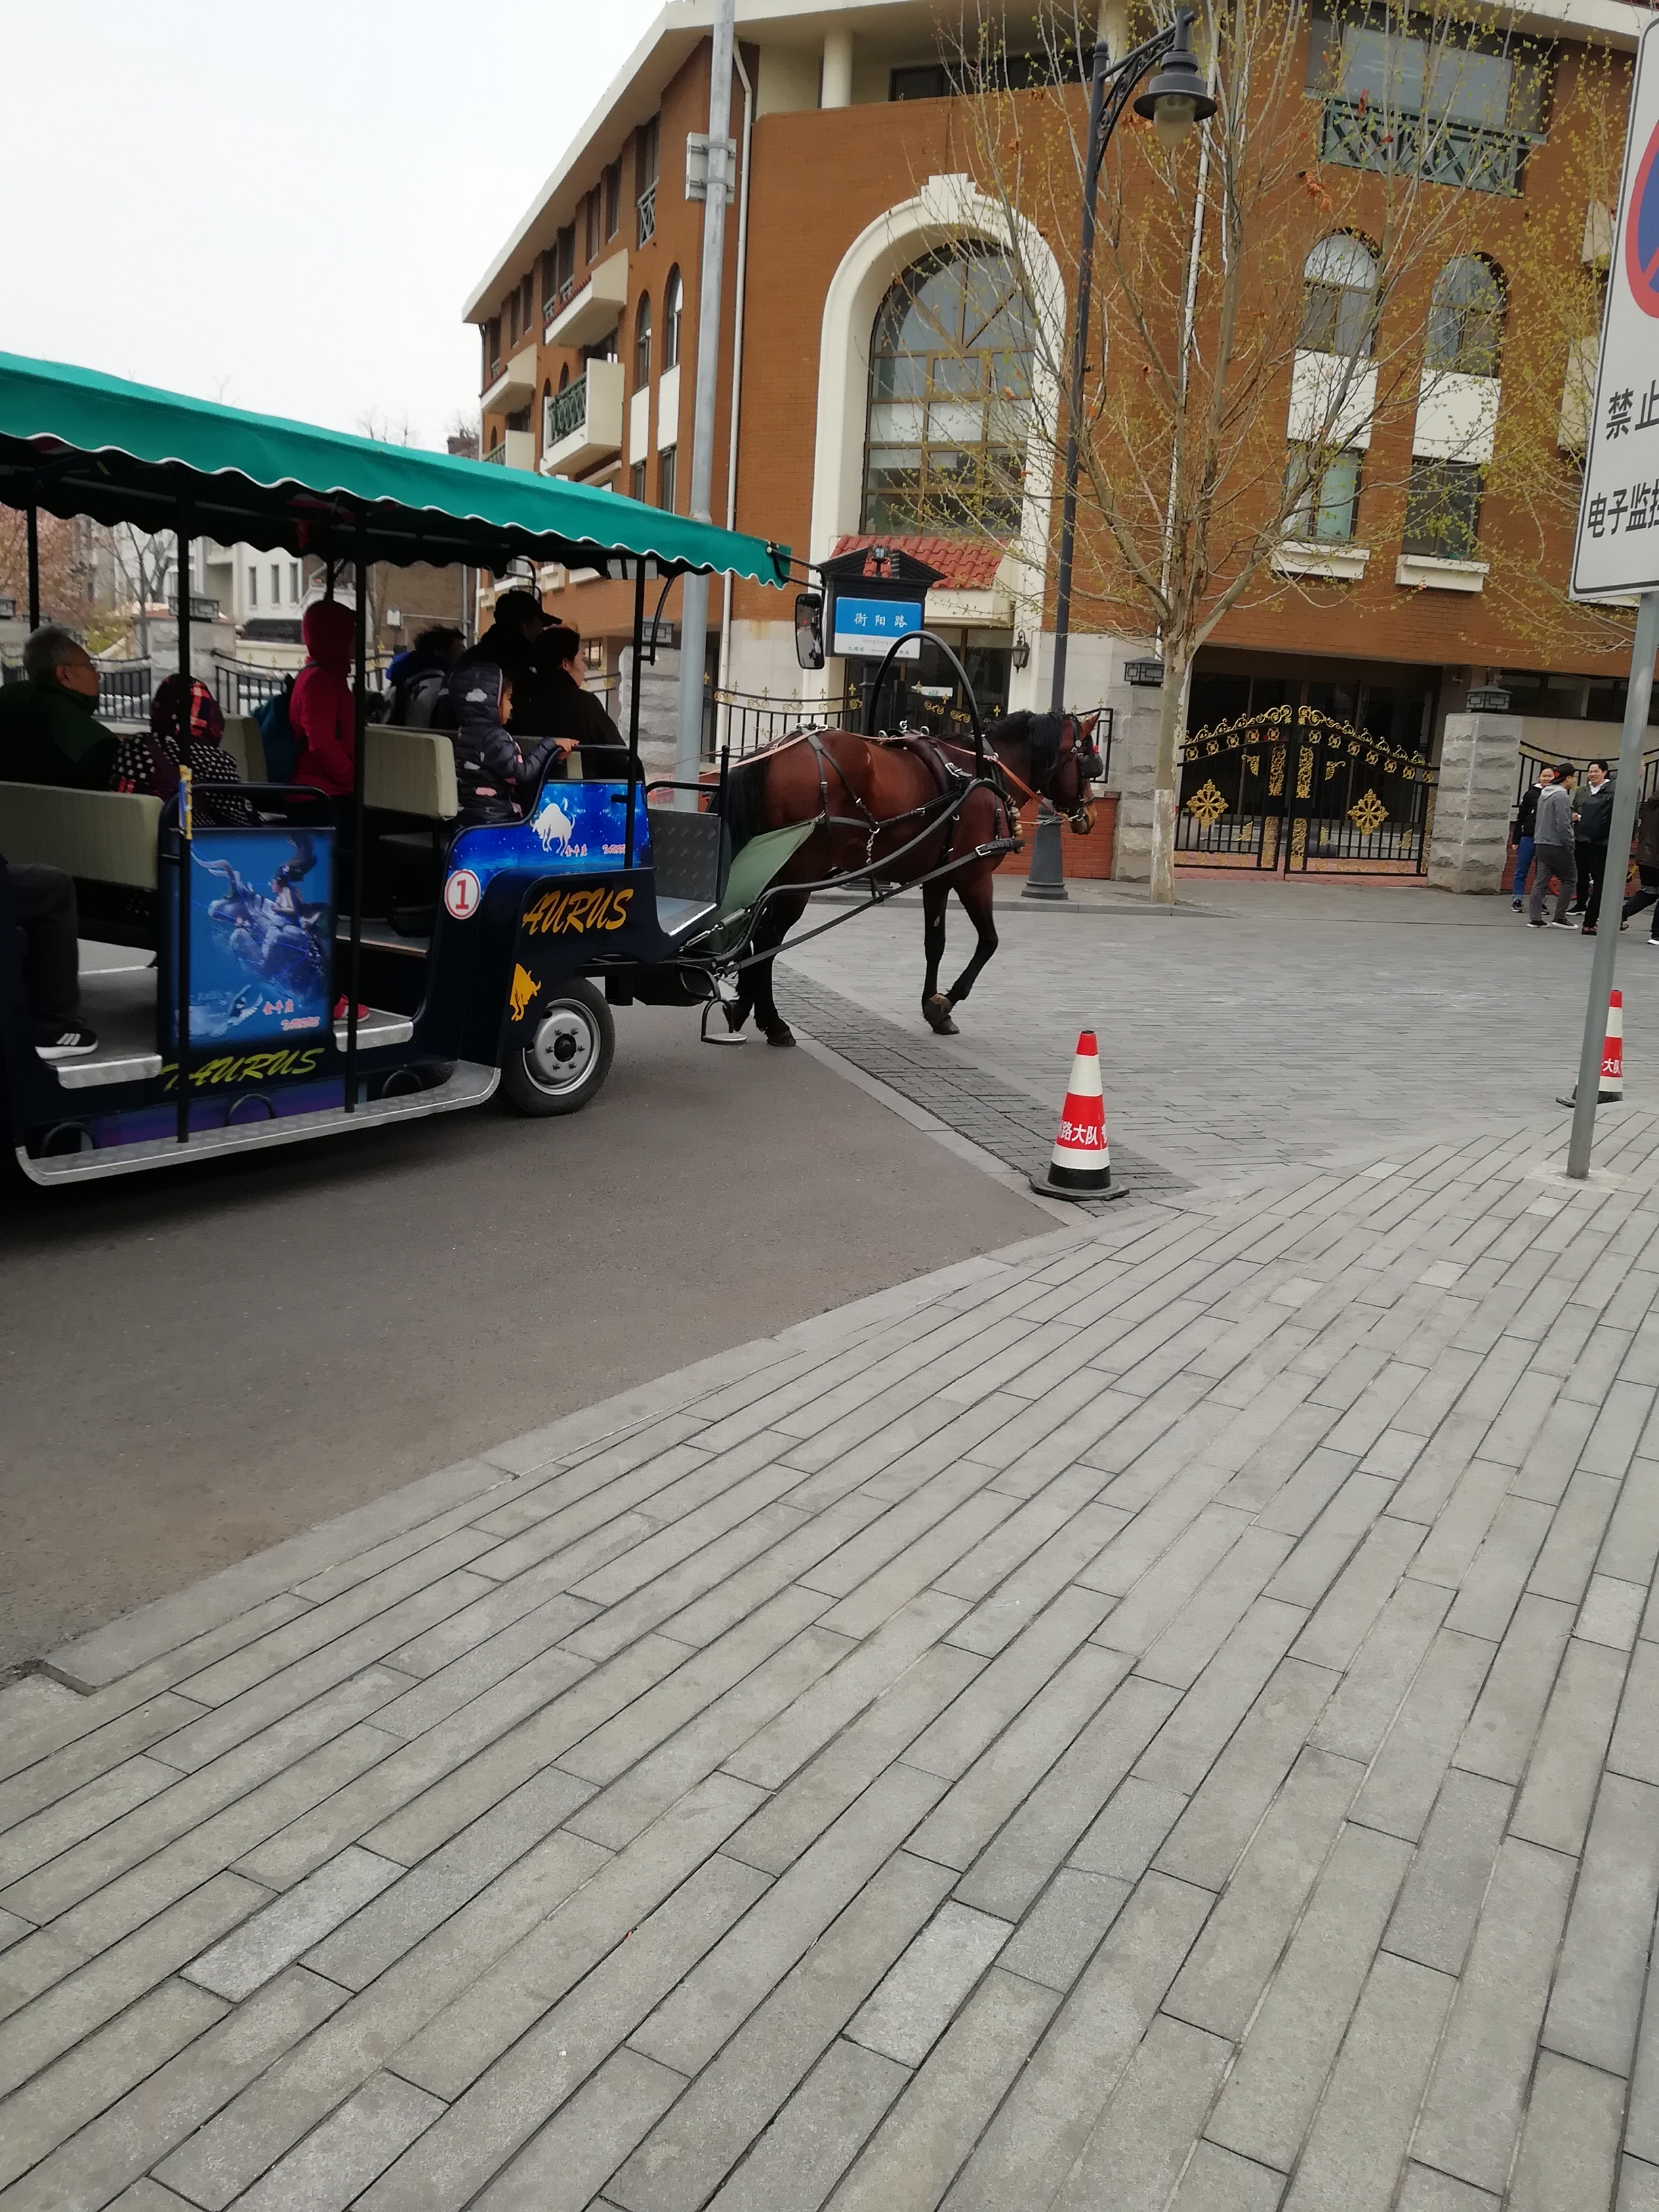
(1176, 98)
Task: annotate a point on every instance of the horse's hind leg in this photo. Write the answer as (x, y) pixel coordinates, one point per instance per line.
(935, 1006)
(774, 924)
(975, 892)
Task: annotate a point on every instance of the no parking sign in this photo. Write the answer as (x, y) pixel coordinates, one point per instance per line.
(1618, 547)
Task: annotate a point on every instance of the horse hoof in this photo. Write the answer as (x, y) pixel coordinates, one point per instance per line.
(782, 1034)
(938, 1012)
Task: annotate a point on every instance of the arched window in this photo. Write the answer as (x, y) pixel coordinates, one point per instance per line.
(950, 398)
(673, 298)
(1339, 297)
(642, 343)
(1466, 318)
(564, 376)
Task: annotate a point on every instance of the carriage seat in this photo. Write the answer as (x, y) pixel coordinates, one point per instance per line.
(246, 748)
(98, 836)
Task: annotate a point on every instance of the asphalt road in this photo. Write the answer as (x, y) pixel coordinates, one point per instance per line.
(194, 1363)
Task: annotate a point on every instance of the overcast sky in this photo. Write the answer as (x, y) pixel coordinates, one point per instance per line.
(283, 205)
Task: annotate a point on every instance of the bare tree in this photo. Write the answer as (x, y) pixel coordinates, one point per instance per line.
(142, 564)
(1263, 297)
(62, 573)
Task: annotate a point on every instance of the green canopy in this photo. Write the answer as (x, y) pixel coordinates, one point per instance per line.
(76, 442)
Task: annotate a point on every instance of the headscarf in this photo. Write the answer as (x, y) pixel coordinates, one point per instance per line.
(206, 723)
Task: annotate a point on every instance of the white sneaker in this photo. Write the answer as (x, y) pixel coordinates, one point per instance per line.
(66, 1044)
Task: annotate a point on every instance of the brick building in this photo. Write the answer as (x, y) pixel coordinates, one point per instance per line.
(857, 188)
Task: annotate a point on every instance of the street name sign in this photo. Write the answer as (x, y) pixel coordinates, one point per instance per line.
(1618, 546)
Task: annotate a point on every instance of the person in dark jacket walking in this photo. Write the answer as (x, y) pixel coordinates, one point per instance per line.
(494, 774)
(1592, 819)
(1553, 849)
(1647, 864)
(1526, 816)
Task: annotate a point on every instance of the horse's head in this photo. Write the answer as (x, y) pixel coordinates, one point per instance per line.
(1064, 763)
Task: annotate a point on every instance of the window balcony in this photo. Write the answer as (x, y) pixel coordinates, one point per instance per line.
(595, 308)
(513, 386)
(1356, 134)
(516, 449)
(647, 204)
(584, 422)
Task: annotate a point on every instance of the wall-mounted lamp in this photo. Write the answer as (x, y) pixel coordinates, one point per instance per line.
(1022, 650)
(1145, 675)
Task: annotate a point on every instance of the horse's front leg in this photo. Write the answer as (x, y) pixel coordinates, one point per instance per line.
(935, 1006)
(775, 925)
(975, 892)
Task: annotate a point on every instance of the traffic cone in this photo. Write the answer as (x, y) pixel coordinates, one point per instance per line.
(1611, 1087)
(1612, 1052)
(1081, 1165)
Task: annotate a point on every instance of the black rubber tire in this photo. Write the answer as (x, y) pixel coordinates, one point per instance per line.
(543, 1077)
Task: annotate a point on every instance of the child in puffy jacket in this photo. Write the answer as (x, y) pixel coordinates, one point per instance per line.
(496, 775)
(322, 713)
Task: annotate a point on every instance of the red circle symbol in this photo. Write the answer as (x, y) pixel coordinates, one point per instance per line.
(462, 893)
(1642, 232)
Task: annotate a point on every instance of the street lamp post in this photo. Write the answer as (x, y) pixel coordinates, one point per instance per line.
(1173, 100)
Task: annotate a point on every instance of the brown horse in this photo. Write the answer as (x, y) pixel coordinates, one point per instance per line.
(916, 803)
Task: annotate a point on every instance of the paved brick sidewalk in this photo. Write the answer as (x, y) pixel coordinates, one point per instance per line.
(1164, 1715)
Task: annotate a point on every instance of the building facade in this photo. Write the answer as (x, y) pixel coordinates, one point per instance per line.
(871, 280)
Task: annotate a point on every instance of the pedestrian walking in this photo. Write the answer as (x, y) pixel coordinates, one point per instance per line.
(1526, 817)
(1553, 849)
(1647, 865)
(1592, 819)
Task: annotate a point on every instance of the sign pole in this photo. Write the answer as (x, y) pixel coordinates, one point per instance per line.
(1626, 792)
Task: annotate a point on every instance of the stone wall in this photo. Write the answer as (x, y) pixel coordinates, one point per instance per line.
(1479, 756)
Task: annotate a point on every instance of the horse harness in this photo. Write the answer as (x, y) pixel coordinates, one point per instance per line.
(957, 785)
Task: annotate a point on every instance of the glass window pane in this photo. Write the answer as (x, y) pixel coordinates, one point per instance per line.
(1469, 87)
(895, 425)
(898, 376)
(951, 422)
(1382, 68)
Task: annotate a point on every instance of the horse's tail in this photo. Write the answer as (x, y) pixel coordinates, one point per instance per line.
(745, 803)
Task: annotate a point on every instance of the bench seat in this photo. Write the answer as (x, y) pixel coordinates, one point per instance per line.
(98, 836)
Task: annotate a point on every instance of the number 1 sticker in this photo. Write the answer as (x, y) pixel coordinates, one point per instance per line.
(462, 893)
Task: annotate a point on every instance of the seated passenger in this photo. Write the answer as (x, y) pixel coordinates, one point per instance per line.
(563, 703)
(151, 762)
(322, 712)
(416, 678)
(48, 728)
(496, 776)
(43, 907)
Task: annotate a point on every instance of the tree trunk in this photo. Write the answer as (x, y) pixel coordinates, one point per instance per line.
(1166, 779)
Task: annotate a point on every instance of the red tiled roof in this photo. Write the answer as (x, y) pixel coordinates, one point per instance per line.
(966, 564)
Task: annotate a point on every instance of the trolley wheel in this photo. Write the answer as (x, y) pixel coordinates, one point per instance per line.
(567, 1059)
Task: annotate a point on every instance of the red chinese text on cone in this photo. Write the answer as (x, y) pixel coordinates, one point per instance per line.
(1612, 1052)
(1081, 1165)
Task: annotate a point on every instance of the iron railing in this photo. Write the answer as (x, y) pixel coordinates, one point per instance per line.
(567, 411)
(123, 691)
(497, 455)
(647, 204)
(241, 689)
(1364, 134)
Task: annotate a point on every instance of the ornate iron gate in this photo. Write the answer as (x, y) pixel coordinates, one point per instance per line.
(1292, 789)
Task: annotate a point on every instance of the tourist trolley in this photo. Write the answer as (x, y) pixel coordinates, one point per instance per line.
(466, 958)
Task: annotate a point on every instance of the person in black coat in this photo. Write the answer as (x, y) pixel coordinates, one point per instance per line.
(497, 776)
(555, 699)
(1592, 819)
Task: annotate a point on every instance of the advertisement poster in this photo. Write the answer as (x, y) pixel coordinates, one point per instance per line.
(261, 935)
(575, 827)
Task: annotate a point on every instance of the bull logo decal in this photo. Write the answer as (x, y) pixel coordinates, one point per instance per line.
(553, 826)
(525, 987)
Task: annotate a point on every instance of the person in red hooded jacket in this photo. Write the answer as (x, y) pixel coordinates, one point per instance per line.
(322, 712)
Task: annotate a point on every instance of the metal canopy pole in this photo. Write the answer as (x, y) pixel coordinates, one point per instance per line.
(34, 535)
(186, 827)
(360, 721)
(634, 707)
(1626, 792)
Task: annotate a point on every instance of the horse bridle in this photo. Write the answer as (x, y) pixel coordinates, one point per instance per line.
(1079, 814)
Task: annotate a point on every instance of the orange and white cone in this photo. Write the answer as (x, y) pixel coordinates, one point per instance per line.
(1612, 1052)
(1081, 1165)
(1611, 1087)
